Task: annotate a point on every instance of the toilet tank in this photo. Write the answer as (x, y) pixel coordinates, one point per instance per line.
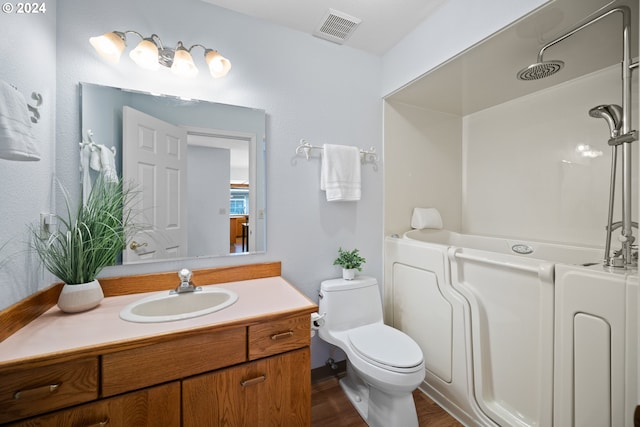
(350, 303)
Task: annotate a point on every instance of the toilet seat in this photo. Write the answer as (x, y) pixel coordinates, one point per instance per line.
(386, 347)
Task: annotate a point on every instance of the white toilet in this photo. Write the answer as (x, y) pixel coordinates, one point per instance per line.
(384, 365)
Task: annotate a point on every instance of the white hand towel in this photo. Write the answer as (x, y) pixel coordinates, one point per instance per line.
(340, 173)
(95, 162)
(108, 162)
(426, 218)
(16, 140)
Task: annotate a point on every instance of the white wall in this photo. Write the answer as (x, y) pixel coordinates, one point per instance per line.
(32, 38)
(523, 174)
(310, 89)
(209, 171)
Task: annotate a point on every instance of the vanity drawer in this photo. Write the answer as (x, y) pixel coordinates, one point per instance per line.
(279, 336)
(24, 393)
(172, 359)
(151, 407)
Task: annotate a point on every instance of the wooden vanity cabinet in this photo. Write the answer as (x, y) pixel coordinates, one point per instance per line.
(257, 374)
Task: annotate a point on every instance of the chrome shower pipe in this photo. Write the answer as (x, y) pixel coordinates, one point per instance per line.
(627, 137)
(612, 196)
(626, 13)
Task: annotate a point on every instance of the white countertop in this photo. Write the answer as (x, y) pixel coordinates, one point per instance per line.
(55, 332)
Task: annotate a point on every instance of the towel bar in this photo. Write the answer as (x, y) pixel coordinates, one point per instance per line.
(366, 156)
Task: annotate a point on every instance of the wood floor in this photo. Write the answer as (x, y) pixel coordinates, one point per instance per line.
(331, 407)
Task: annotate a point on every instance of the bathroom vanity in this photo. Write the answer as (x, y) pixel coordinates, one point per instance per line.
(246, 365)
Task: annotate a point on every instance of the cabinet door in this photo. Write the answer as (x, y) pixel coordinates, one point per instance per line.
(155, 406)
(275, 391)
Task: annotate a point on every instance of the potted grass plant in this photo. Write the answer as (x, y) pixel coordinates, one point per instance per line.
(350, 261)
(86, 240)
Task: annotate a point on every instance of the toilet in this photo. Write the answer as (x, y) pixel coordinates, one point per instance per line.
(384, 365)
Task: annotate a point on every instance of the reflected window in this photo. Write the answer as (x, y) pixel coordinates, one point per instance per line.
(239, 204)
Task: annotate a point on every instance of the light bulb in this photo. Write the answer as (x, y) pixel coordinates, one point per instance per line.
(109, 45)
(146, 54)
(183, 64)
(219, 66)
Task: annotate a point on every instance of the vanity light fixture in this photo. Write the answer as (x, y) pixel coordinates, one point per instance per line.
(150, 54)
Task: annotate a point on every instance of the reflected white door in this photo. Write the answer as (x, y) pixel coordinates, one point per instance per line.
(154, 157)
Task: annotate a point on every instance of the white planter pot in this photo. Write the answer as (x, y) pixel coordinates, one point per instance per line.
(82, 297)
(349, 273)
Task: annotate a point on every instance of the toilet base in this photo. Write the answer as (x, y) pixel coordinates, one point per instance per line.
(357, 392)
(376, 407)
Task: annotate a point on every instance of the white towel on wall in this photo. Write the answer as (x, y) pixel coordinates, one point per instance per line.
(16, 140)
(340, 173)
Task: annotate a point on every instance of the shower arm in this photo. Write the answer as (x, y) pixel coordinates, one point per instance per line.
(627, 136)
(580, 27)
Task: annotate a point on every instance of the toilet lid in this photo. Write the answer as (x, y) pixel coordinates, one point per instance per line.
(386, 346)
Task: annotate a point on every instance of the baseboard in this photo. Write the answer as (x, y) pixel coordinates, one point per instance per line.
(325, 372)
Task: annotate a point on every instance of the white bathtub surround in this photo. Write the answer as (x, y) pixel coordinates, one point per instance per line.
(492, 316)
(542, 185)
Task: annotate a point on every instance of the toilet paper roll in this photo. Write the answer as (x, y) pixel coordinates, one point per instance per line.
(426, 218)
(317, 320)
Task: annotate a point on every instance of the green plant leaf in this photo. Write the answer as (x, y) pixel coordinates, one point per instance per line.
(349, 259)
(91, 237)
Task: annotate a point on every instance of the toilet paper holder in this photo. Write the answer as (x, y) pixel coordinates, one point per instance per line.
(317, 321)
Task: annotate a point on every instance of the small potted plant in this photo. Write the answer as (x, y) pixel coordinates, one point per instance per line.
(350, 261)
(87, 240)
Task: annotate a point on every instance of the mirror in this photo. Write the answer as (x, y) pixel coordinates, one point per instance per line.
(211, 200)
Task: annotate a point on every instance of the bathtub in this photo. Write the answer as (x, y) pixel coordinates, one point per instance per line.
(482, 310)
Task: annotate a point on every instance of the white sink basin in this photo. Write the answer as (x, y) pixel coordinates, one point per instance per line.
(166, 307)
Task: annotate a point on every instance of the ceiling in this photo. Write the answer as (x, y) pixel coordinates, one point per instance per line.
(384, 23)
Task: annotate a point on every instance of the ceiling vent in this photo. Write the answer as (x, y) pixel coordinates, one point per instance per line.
(336, 26)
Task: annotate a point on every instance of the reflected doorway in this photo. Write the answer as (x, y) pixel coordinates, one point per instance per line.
(229, 208)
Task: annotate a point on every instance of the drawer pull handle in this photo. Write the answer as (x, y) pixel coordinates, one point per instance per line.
(100, 424)
(36, 393)
(282, 335)
(253, 381)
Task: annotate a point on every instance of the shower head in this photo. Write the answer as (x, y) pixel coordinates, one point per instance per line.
(540, 70)
(612, 113)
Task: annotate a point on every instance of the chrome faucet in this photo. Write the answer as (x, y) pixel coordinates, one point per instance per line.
(186, 285)
(619, 257)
